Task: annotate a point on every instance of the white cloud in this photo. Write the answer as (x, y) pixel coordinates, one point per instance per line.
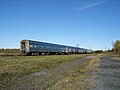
(92, 5)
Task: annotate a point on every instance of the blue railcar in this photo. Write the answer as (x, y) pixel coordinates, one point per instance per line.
(30, 47)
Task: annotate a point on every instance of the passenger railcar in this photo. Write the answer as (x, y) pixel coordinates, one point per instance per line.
(29, 47)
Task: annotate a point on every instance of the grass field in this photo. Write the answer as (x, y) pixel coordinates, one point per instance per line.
(24, 70)
(9, 52)
(13, 67)
(82, 78)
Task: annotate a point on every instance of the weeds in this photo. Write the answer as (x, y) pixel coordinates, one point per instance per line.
(82, 78)
(13, 67)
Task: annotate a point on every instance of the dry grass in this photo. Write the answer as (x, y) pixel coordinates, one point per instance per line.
(82, 78)
(13, 67)
(117, 58)
(9, 52)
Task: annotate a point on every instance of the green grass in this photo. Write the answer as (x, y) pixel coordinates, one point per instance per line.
(9, 50)
(13, 67)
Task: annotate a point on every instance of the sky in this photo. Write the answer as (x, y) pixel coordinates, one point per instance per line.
(92, 24)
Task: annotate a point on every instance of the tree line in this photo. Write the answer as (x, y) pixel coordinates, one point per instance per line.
(2, 50)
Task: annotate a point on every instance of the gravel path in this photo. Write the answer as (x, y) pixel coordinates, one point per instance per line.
(47, 78)
(108, 76)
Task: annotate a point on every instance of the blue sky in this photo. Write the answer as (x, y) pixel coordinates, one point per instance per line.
(91, 23)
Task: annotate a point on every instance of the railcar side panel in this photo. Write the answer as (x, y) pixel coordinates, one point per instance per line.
(28, 46)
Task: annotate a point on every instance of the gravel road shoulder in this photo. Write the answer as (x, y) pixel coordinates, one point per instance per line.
(108, 76)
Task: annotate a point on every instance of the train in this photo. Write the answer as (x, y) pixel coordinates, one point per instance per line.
(30, 47)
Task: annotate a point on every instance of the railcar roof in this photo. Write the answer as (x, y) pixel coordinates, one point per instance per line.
(54, 44)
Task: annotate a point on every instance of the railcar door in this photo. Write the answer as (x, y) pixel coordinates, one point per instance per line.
(23, 47)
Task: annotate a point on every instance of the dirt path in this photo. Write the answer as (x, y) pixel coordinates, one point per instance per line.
(108, 76)
(47, 78)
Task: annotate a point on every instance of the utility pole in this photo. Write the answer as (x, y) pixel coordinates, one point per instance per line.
(112, 49)
(77, 45)
(112, 44)
(105, 47)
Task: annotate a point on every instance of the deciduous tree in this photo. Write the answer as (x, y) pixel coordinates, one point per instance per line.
(117, 47)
